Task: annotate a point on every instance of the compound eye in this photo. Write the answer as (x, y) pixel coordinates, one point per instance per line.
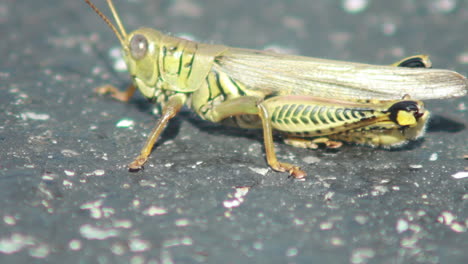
(138, 46)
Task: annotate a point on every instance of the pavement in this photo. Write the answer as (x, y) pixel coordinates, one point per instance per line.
(206, 194)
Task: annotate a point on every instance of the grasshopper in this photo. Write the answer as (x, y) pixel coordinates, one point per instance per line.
(312, 101)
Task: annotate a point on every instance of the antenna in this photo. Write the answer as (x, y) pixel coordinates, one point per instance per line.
(122, 35)
(117, 18)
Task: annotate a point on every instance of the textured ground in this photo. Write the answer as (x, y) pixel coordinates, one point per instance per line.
(206, 194)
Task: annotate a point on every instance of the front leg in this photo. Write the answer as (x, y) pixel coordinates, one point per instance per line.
(249, 105)
(171, 108)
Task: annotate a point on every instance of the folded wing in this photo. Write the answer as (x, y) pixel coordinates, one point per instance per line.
(286, 74)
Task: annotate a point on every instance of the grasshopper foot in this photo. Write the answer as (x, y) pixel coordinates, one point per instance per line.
(116, 93)
(137, 164)
(312, 144)
(294, 171)
(297, 173)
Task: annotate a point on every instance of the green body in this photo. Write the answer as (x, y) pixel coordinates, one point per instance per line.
(310, 100)
(194, 70)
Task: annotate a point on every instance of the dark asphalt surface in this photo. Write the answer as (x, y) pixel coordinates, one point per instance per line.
(206, 194)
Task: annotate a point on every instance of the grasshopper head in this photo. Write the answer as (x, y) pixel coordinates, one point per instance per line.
(140, 50)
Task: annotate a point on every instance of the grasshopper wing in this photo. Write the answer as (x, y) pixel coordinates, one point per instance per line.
(281, 74)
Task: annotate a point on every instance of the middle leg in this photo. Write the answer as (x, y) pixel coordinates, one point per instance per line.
(253, 106)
